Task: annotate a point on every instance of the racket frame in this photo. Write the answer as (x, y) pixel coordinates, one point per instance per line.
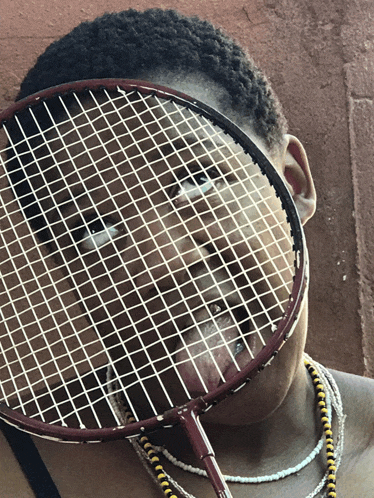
(286, 324)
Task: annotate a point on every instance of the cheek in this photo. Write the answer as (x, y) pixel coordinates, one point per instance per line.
(94, 279)
(256, 251)
(109, 293)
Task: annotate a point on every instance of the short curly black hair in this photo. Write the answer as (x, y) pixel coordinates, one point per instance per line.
(131, 44)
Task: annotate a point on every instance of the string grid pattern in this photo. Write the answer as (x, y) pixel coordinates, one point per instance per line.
(135, 233)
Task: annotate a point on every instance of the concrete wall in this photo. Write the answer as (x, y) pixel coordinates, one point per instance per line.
(319, 56)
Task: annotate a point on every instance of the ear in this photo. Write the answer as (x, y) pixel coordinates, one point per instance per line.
(298, 178)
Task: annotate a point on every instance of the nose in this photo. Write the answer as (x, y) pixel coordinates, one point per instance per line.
(168, 256)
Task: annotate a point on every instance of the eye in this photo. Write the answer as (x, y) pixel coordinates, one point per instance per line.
(95, 233)
(195, 184)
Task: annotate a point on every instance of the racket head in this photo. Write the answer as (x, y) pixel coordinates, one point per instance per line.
(59, 328)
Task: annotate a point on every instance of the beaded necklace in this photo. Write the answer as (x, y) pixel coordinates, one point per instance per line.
(328, 396)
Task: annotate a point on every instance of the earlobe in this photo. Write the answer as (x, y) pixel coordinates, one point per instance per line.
(298, 177)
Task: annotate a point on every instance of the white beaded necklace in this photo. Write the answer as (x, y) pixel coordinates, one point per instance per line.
(333, 399)
(245, 480)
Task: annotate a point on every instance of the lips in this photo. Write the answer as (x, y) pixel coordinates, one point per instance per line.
(210, 344)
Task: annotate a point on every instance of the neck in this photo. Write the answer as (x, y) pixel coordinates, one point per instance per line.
(277, 441)
(264, 447)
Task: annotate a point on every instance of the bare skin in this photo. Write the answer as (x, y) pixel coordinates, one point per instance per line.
(268, 426)
(111, 469)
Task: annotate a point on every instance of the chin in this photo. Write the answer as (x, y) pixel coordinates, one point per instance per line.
(263, 395)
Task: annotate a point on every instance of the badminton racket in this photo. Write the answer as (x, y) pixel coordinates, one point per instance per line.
(148, 250)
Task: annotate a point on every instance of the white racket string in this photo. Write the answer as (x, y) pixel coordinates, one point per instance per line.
(264, 276)
(73, 362)
(81, 141)
(118, 296)
(167, 263)
(181, 221)
(62, 339)
(172, 242)
(57, 164)
(155, 327)
(129, 276)
(27, 340)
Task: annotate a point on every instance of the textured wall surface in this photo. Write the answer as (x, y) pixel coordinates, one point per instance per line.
(319, 57)
(358, 50)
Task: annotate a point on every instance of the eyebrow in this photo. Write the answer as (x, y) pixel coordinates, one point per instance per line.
(68, 201)
(173, 146)
(178, 144)
(194, 140)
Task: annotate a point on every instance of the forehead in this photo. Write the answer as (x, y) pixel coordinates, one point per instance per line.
(106, 136)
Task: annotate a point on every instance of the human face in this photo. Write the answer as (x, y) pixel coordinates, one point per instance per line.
(166, 232)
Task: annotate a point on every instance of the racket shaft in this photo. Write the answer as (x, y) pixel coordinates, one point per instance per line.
(216, 478)
(204, 451)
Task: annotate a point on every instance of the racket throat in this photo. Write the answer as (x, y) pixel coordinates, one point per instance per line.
(200, 443)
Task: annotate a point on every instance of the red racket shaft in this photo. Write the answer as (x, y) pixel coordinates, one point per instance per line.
(202, 447)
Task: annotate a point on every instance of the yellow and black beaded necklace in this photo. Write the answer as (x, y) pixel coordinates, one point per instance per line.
(149, 453)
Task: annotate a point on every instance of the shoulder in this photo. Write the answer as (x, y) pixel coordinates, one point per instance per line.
(354, 385)
(355, 474)
(357, 392)
(358, 405)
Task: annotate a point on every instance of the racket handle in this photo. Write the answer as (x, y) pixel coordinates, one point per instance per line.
(203, 450)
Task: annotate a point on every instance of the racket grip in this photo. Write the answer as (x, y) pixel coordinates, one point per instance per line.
(203, 450)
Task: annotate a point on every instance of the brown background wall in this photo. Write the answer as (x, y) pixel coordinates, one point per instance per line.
(320, 58)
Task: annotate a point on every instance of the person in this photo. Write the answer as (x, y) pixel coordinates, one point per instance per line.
(274, 422)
